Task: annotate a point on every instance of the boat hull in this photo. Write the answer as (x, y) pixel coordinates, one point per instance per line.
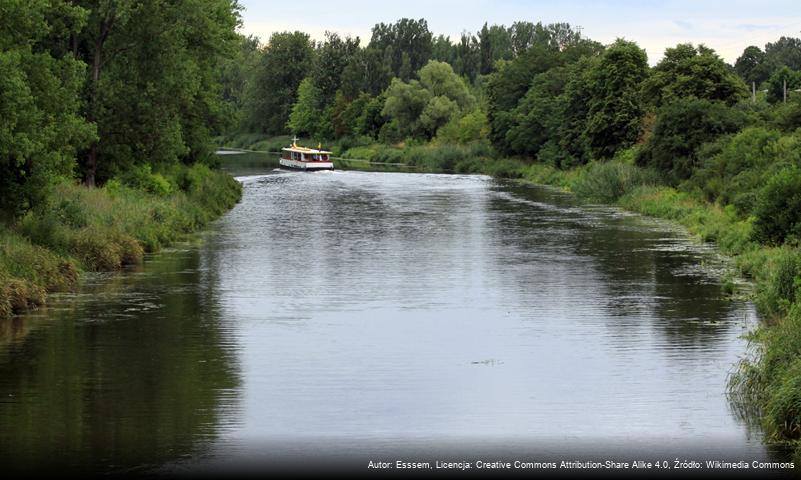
(306, 166)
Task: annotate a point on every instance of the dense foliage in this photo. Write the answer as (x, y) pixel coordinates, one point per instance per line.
(123, 97)
(90, 89)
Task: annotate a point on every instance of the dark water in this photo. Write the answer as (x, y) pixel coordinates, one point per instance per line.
(365, 315)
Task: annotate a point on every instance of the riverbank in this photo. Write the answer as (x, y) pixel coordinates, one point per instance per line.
(769, 387)
(103, 229)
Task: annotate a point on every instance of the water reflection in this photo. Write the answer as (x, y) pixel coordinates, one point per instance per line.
(130, 372)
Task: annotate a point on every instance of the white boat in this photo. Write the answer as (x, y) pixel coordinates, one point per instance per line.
(308, 159)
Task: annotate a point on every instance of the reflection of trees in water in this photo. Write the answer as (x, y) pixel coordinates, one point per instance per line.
(249, 163)
(135, 375)
(346, 237)
(641, 273)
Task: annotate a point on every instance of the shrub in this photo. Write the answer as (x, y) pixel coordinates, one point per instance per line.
(681, 128)
(778, 208)
(608, 181)
(142, 178)
(778, 281)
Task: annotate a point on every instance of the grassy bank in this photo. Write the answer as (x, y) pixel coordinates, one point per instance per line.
(102, 229)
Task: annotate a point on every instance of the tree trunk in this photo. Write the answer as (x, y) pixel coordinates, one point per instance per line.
(91, 158)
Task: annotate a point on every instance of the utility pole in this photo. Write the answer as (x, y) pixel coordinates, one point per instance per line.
(753, 92)
(785, 90)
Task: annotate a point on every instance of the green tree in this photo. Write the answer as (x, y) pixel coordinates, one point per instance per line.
(572, 136)
(615, 108)
(751, 65)
(508, 85)
(406, 45)
(437, 112)
(442, 49)
(466, 57)
(235, 73)
(777, 82)
(284, 63)
(365, 73)
(405, 103)
(785, 52)
(440, 79)
(681, 128)
(422, 107)
(372, 118)
(689, 71)
(494, 43)
(153, 86)
(305, 117)
(329, 63)
(41, 128)
(539, 115)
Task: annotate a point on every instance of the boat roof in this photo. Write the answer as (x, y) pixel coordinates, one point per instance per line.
(295, 148)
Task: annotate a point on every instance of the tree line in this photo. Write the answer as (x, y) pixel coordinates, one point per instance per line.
(539, 88)
(92, 88)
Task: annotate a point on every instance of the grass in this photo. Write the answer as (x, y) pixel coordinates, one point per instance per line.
(104, 229)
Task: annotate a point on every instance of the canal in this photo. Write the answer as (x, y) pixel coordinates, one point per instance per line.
(357, 315)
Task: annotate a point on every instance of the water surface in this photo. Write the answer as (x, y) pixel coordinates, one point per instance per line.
(363, 315)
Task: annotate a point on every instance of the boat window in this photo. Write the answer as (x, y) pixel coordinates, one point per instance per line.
(324, 157)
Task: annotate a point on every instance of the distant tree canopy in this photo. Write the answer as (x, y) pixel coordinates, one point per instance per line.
(541, 92)
(689, 71)
(284, 63)
(758, 65)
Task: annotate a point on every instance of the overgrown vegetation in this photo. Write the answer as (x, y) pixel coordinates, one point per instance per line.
(103, 229)
(107, 110)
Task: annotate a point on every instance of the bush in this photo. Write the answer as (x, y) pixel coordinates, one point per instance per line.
(142, 178)
(778, 208)
(609, 181)
(681, 128)
(778, 275)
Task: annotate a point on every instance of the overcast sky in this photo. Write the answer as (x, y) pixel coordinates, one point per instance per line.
(727, 26)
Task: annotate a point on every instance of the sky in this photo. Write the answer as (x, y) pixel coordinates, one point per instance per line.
(726, 26)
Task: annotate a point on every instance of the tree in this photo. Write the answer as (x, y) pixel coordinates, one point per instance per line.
(494, 43)
(615, 108)
(509, 84)
(681, 128)
(443, 50)
(41, 128)
(437, 112)
(405, 103)
(153, 86)
(365, 73)
(330, 62)
(785, 52)
(440, 80)
(467, 58)
(421, 107)
(406, 45)
(778, 208)
(777, 82)
(305, 116)
(235, 72)
(539, 114)
(284, 64)
(751, 65)
(688, 71)
(572, 135)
